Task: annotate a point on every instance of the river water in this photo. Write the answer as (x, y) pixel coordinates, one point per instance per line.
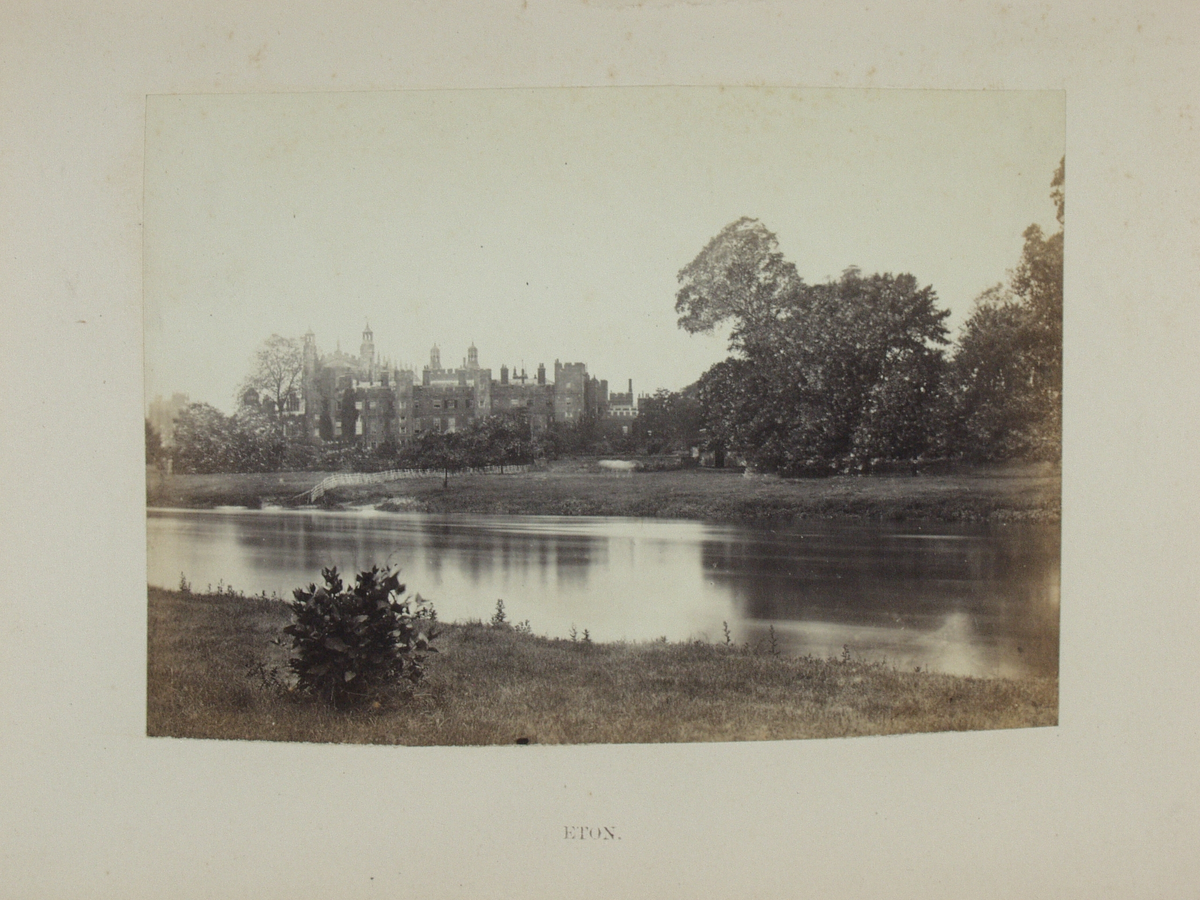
(957, 599)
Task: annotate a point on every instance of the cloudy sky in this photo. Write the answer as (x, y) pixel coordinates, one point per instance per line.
(550, 224)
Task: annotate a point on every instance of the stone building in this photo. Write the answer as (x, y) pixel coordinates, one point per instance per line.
(161, 413)
(365, 399)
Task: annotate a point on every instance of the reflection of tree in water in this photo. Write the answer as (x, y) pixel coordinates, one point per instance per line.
(305, 544)
(1019, 599)
(480, 551)
(288, 541)
(894, 577)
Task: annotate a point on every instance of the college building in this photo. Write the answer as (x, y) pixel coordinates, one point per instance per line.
(362, 398)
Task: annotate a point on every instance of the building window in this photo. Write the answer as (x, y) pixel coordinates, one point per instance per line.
(437, 404)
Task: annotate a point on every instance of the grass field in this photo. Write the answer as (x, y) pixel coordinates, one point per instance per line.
(210, 659)
(1029, 493)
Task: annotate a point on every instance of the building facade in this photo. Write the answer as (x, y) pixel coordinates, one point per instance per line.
(364, 399)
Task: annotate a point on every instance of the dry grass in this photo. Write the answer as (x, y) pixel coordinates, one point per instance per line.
(1030, 493)
(493, 685)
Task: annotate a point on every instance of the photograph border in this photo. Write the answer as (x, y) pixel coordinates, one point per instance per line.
(1107, 803)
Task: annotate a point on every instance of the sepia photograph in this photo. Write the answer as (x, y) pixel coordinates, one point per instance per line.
(599, 448)
(602, 415)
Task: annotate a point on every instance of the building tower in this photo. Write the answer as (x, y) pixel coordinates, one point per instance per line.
(435, 359)
(366, 353)
(308, 384)
(310, 355)
(472, 357)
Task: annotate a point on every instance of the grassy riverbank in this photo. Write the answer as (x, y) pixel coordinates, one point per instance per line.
(209, 659)
(998, 494)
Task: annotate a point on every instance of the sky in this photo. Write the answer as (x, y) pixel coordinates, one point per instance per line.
(550, 224)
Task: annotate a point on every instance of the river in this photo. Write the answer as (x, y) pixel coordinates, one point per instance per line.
(968, 600)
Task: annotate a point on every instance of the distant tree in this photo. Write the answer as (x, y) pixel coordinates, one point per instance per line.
(897, 420)
(257, 442)
(866, 361)
(732, 396)
(325, 426)
(445, 452)
(277, 373)
(203, 437)
(739, 277)
(836, 375)
(1058, 186)
(583, 435)
(497, 441)
(208, 441)
(155, 452)
(668, 421)
(348, 414)
(1003, 399)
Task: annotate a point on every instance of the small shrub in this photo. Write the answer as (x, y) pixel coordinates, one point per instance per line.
(347, 644)
(523, 627)
(499, 619)
(268, 678)
(728, 636)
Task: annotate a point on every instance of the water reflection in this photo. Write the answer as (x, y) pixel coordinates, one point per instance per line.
(969, 601)
(966, 601)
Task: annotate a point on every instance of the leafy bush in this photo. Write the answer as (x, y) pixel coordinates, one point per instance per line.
(348, 644)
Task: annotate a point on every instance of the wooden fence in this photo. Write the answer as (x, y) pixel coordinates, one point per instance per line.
(345, 478)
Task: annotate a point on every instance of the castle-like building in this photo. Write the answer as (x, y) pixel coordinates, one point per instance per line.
(368, 400)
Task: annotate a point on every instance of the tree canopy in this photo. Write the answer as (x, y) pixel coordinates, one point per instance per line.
(208, 441)
(833, 376)
(822, 375)
(1005, 395)
(277, 372)
(741, 276)
(668, 421)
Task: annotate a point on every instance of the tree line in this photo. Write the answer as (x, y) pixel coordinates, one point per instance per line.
(820, 378)
(844, 375)
(207, 441)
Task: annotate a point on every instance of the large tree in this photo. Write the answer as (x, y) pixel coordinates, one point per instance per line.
(1004, 396)
(821, 376)
(277, 372)
(739, 277)
(208, 441)
(203, 436)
